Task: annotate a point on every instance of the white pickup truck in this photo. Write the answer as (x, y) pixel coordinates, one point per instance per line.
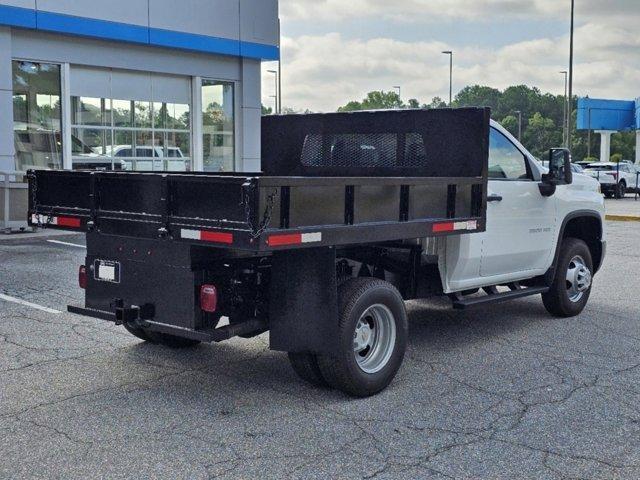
(353, 214)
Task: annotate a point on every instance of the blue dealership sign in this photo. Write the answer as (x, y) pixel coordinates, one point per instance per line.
(617, 115)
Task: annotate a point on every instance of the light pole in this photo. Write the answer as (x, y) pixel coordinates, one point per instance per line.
(279, 67)
(276, 96)
(570, 100)
(565, 109)
(399, 88)
(450, 53)
(519, 113)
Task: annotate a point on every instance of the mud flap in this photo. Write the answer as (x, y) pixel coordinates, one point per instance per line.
(303, 306)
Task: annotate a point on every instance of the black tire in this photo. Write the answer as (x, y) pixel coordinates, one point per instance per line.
(171, 341)
(355, 298)
(137, 332)
(306, 367)
(621, 190)
(557, 300)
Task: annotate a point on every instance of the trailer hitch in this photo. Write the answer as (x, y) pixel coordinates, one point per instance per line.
(134, 313)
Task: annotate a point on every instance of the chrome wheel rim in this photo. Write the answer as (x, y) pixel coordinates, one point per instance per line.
(579, 278)
(374, 339)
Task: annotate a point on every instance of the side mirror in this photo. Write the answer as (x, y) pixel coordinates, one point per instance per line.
(560, 172)
(560, 166)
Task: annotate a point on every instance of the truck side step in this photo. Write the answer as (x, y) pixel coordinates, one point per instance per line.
(493, 296)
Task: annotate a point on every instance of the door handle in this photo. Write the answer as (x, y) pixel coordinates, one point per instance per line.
(494, 198)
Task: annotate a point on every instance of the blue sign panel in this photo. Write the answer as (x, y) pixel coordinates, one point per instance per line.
(616, 115)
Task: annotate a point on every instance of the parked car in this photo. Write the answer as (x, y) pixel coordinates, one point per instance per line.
(616, 179)
(41, 148)
(148, 158)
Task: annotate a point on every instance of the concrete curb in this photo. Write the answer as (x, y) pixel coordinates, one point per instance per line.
(41, 233)
(623, 218)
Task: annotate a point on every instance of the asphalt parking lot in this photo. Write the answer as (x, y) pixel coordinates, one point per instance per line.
(501, 393)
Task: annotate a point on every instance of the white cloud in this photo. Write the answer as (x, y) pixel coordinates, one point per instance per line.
(322, 72)
(426, 11)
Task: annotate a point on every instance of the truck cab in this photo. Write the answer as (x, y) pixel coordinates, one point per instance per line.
(524, 227)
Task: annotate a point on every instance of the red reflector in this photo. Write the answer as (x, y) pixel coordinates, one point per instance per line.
(82, 277)
(208, 298)
(217, 237)
(280, 240)
(444, 227)
(69, 222)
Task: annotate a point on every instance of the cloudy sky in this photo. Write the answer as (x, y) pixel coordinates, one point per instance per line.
(334, 51)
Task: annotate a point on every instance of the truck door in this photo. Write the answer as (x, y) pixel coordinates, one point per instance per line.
(520, 221)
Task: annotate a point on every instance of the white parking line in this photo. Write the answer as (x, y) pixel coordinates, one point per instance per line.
(58, 242)
(7, 298)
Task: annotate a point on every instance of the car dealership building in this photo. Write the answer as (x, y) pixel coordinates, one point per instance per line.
(159, 85)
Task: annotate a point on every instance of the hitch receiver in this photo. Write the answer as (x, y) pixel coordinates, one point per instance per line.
(134, 313)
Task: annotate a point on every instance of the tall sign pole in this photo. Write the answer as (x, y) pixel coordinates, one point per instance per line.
(570, 107)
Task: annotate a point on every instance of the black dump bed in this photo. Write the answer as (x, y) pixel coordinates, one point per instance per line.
(329, 179)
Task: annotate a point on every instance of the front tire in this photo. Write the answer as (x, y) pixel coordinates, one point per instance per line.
(621, 190)
(571, 287)
(372, 338)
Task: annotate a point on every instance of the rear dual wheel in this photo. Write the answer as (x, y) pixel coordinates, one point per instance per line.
(371, 341)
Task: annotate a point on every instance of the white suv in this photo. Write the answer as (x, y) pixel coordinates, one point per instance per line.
(616, 179)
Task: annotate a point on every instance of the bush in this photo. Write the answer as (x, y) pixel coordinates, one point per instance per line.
(616, 157)
(591, 159)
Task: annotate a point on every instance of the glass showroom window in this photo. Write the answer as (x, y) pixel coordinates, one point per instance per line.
(36, 115)
(113, 134)
(218, 126)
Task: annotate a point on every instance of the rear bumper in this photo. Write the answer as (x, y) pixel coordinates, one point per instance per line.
(128, 317)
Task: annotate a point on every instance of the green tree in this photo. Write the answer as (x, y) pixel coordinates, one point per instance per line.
(541, 134)
(478, 96)
(378, 100)
(437, 102)
(267, 110)
(510, 122)
(518, 98)
(623, 143)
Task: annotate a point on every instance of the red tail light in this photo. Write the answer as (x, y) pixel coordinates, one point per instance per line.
(208, 298)
(614, 175)
(82, 277)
